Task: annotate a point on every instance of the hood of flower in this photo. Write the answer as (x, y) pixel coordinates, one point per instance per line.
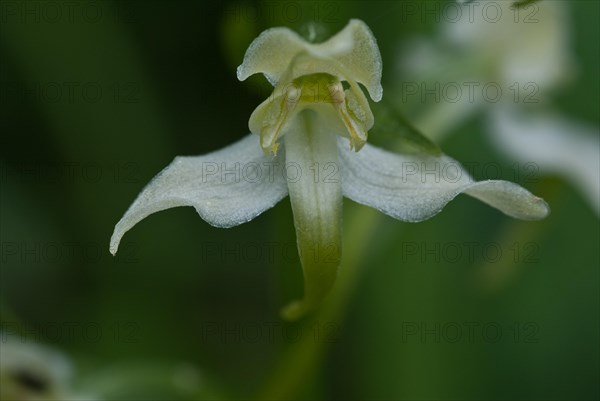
(323, 78)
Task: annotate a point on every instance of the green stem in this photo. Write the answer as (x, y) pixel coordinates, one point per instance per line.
(302, 359)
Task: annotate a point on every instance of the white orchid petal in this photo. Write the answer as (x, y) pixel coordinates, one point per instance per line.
(228, 187)
(316, 196)
(555, 145)
(508, 197)
(356, 50)
(270, 53)
(350, 54)
(414, 188)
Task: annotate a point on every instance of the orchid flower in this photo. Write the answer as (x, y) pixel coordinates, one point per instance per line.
(316, 120)
(29, 371)
(525, 51)
(522, 52)
(528, 44)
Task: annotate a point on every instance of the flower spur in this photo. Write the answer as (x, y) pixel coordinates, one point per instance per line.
(317, 118)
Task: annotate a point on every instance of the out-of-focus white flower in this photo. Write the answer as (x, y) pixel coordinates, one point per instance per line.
(310, 139)
(555, 145)
(523, 53)
(516, 45)
(30, 371)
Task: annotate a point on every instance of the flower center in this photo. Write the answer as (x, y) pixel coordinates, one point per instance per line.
(325, 94)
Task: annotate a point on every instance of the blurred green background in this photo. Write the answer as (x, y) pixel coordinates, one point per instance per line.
(98, 96)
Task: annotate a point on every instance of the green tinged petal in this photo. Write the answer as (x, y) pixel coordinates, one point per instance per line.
(315, 191)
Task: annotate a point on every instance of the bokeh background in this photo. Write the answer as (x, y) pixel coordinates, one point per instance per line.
(98, 96)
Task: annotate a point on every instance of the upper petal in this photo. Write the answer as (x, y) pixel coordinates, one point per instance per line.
(271, 53)
(413, 188)
(350, 54)
(356, 50)
(228, 187)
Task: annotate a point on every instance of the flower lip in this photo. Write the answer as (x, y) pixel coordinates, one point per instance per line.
(352, 54)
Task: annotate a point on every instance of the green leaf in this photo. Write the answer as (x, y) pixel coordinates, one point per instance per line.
(391, 127)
